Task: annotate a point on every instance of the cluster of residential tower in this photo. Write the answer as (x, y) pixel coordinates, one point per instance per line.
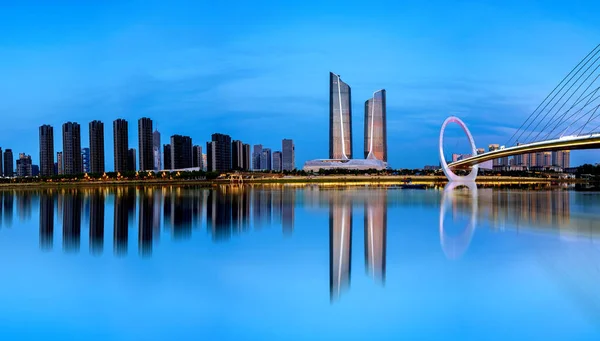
(222, 154)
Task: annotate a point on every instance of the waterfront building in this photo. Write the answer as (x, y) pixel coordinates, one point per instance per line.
(256, 154)
(59, 161)
(24, 165)
(219, 153)
(85, 159)
(46, 150)
(1, 163)
(340, 119)
(265, 159)
(246, 157)
(167, 156)
(131, 160)
(288, 157)
(181, 152)
(237, 155)
(121, 144)
(277, 161)
(9, 171)
(96, 158)
(156, 150)
(561, 158)
(204, 162)
(376, 127)
(72, 162)
(340, 131)
(197, 155)
(35, 170)
(145, 142)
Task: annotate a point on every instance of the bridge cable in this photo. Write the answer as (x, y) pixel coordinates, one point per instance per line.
(578, 100)
(591, 100)
(550, 94)
(593, 115)
(560, 99)
(588, 121)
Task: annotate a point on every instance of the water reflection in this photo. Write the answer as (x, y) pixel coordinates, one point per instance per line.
(72, 205)
(46, 221)
(230, 211)
(374, 204)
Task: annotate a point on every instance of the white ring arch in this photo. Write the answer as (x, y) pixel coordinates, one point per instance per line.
(447, 171)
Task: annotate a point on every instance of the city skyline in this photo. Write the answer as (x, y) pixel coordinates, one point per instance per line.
(491, 80)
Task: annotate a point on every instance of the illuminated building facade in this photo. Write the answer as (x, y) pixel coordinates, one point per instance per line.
(340, 119)
(375, 127)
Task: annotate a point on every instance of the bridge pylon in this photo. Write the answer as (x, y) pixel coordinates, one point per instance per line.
(447, 171)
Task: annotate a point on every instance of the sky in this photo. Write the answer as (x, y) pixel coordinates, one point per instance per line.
(258, 70)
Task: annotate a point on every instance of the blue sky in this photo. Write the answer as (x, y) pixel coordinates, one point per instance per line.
(258, 70)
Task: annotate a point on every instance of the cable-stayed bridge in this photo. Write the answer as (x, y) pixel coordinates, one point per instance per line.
(567, 119)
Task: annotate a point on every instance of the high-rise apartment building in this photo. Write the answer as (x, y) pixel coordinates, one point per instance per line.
(340, 119)
(9, 171)
(72, 163)
(376, 127)
(246, 157)
(561, 158)
(491, 148)
(256, 154)
(237, 155)
(156, 150)
(131, 160)
(24, 165)
(1, 163)
(288, 157)
(181, 152)
(85, 159)
(145, 150)
(265, 160)
(167, 155)
(277, 156)
(121, 144)
(96, 147)
(197, 155)
(211, 156)
(60, 165)
(219, 153)
(46, 150)
(204, 162)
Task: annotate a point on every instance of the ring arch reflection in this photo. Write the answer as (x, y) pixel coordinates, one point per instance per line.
(455, 246)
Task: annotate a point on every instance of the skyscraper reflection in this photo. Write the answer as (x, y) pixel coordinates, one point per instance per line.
(72, 221)
(123, 201)
(219, 213)
(340, 244)
(24, 205)
(181, 214)
(96, 203)
(8, 205)
(46, 221)
(145, 223)
(376, 234)
(287, 210)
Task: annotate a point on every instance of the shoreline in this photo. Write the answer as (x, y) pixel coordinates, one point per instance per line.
(296, 180)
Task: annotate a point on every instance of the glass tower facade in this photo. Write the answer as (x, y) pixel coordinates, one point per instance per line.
(375, 127)
(340, 119)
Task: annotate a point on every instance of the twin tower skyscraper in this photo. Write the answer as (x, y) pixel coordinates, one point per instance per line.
(340, 123)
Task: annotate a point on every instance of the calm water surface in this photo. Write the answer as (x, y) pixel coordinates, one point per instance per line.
(284, 263)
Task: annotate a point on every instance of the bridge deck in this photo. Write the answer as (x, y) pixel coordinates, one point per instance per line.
(565, 143)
